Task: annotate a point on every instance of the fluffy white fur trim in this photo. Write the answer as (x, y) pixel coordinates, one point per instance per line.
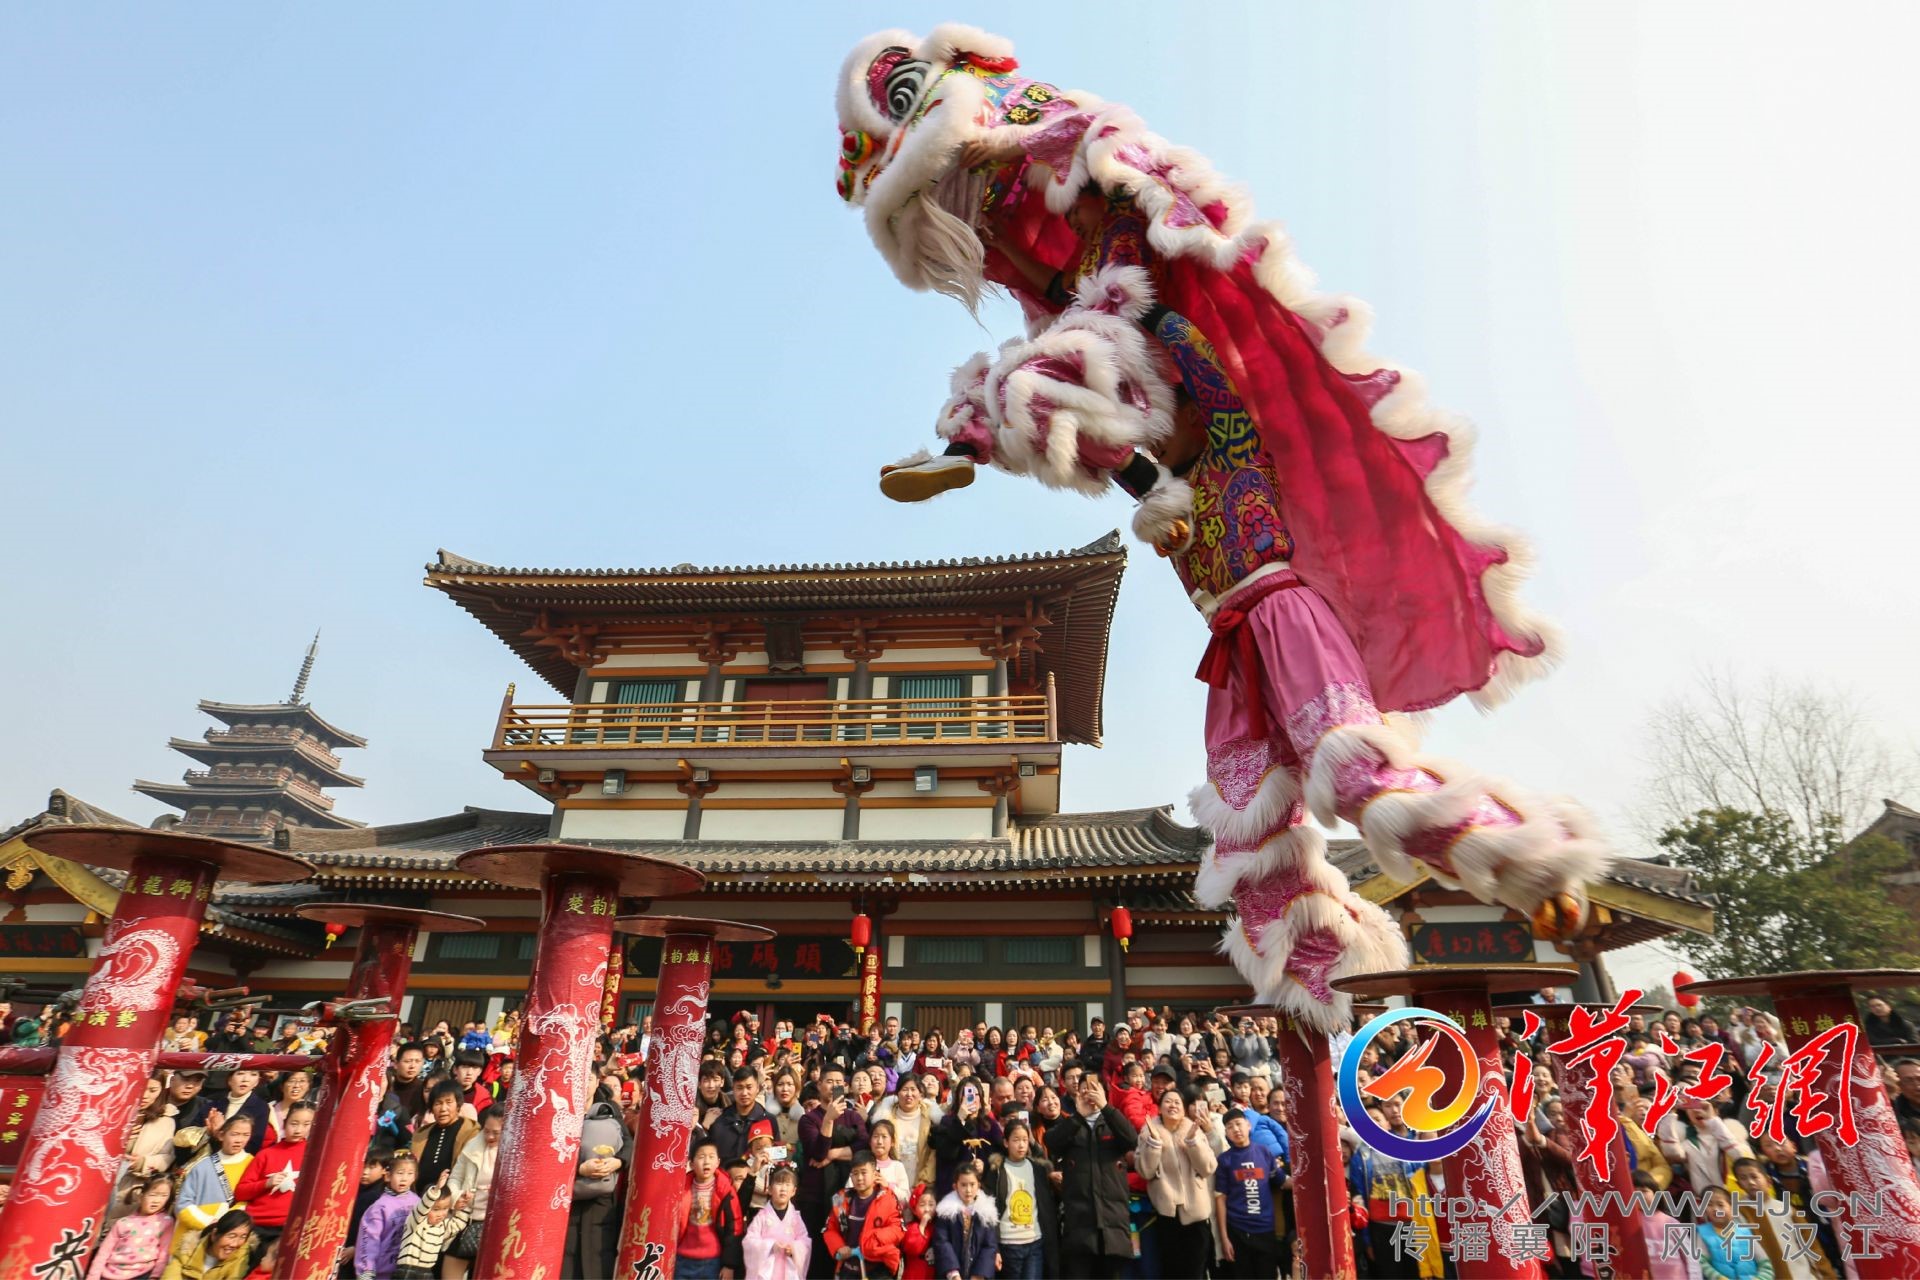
(967, 400)
(853, 108)
(1126, 292)
(1170, 500)
(1350, 742)
(1266, 811)
(949, 40)
(1220, 873)
(1370, 943)
(1109, 352)
(914, 459)
(982, 1208)
(1556, 846)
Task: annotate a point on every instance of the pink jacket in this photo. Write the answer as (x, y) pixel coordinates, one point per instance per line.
(767, 1232)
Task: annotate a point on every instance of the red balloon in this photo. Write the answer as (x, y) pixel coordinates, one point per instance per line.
(1680, 979)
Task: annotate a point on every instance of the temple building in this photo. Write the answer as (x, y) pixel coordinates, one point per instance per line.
(268, 768)
(822, 741)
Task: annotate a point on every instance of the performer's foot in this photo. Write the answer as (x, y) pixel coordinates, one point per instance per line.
(921, 477)
(1560, 917)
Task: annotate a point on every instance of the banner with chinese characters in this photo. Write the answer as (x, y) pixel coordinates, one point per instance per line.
(21, 1098)
(797, 957)
(870, 988)
(1472, 942)
(51, 941)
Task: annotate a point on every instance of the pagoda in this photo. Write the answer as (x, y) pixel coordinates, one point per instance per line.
(266, 769)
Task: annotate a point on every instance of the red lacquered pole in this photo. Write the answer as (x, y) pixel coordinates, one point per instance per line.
(1323, 1218)
(72, 1155)
(353, 1076)
(524, 1237)
(658, 1178)
(1609, 1183)
(1879, 1215)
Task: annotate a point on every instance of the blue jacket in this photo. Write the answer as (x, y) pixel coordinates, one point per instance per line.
(956, 1249)
(1718, 1253)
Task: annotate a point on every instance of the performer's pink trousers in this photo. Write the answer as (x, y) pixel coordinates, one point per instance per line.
(1308, 683)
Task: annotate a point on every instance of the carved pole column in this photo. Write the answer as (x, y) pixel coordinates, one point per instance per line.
(1878, 1214)
(72, 1155)
(1322, 1215)
(524, 1236)
(353, 1077)
(658, 1179)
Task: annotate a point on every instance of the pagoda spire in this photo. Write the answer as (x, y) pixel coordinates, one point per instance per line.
(306, 670)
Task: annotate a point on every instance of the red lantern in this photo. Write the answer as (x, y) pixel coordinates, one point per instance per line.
(1680, 979)
(1122, 922)
(335, 932)
(862, 934)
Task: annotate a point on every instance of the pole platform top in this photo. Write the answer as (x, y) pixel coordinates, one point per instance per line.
(1564, 1010)
(1493, 979)
(1802, 982)
(1274, 1011)
(361, 914)
(630, 875)
(648, 926)
(105, 845)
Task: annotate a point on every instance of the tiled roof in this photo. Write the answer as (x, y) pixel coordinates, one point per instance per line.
(300, 713)
(69, 810)
(1117, 840)
(1078, 589)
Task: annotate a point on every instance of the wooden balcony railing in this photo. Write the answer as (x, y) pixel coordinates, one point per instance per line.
(585, 725)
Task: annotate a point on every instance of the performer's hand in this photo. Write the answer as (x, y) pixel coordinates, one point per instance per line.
(984, 151)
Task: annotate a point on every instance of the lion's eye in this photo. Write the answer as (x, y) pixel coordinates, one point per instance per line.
(904, 83)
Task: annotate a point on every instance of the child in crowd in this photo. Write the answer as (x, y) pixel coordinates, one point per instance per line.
(917, 1244)
(966, 1244)
(863, 1229)
(376, 1250)
(710, 1231)
(267, 1188)
(431, 1226)
(1243, 1200)
(135, 1247)
(207, 1190)
(373, 1185)
(891, 1171)
(776, 1246)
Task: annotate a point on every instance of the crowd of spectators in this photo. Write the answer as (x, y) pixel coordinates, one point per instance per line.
(1157, 1147)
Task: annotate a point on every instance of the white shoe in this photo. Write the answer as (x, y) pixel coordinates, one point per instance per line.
(921, 477)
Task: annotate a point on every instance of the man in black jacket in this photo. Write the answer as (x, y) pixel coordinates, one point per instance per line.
(1089, 1149)
(730, 1131)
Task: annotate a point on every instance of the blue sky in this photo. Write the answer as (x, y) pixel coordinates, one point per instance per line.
(290, 298)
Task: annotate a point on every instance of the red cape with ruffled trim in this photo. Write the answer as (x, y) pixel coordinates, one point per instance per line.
(1367, 534)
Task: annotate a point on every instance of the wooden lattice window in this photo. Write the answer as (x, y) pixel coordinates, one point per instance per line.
(947, 951)
(1059, 953)
(1042, 1016)
(453, 1010)
(946, 1018)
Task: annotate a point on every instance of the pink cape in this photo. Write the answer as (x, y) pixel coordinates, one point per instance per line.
(1406, 584)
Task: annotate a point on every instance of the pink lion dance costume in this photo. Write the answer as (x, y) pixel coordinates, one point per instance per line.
(1318, 519)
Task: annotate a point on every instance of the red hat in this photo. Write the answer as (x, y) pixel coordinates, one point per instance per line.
(762, 1128)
